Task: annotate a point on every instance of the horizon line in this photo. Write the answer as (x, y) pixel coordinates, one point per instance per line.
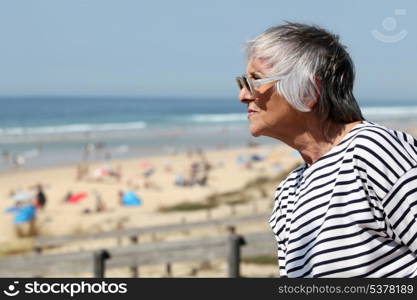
(159, 97)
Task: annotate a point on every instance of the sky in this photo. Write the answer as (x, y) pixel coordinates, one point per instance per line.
(187, 48)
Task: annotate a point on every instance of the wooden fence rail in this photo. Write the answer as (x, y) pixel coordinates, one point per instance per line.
(44, 242)
(96, 262)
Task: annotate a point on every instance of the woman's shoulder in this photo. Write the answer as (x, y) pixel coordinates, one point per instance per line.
(373, 138)
(370, 129)
(380, 150)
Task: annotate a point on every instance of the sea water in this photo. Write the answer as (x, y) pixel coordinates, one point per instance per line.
(51, 131)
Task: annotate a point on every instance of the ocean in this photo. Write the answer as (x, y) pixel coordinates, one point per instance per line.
(51, 131)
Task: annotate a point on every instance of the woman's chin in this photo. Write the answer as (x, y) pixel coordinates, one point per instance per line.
(255, 132)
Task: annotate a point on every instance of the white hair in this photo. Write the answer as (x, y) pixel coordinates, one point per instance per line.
(306, 55)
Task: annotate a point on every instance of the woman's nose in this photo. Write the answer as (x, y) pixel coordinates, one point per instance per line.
(245, 96)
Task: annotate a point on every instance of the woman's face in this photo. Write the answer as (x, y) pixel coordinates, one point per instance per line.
(269, 113)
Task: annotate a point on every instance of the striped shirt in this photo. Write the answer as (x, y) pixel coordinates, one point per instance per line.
(353, 212)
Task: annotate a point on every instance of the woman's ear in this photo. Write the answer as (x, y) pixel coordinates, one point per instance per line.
(310, 103)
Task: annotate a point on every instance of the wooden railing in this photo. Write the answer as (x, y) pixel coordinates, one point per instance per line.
(230, 247)
(133, 233)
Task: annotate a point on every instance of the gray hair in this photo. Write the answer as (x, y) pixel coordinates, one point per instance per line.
(316, 67)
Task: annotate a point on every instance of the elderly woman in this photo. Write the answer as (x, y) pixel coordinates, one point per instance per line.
(350, 210)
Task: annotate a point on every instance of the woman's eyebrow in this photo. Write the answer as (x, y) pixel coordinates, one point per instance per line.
(256, 73)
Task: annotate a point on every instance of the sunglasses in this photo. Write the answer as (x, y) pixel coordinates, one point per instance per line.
(250, 84)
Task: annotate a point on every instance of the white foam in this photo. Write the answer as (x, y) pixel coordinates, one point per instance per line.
(393, 112)
(219, 118)
(73, 128)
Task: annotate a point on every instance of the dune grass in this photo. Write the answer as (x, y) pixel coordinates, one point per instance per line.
(18, 246)
(187, 206)
(261, 260)
(237, 197)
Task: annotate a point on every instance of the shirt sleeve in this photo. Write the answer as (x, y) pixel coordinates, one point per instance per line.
(400, 207)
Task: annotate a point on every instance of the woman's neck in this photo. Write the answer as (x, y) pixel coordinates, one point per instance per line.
(315, 140)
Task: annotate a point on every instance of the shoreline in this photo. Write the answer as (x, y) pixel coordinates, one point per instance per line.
(126, 144)
(136, 156)
(38, 156)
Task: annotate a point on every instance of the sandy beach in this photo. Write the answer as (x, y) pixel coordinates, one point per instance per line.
(153, 180)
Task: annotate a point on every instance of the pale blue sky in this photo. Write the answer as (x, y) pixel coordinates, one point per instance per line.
(187, 48)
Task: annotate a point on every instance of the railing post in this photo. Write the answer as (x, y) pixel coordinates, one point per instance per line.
(134, 271)
(235, 242)
(168, 270)
(100, 258)
(208, 213)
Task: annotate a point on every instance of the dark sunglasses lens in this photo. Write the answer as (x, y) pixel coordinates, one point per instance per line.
(247, 85)
(239, 82)
(242, 82)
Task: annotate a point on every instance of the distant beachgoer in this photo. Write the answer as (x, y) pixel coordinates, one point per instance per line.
(351, 209)
(40, 197)
(203, 159)
(107, 171)
(201, 173)
(148, 172)
(252, 144)
(180, 180)
(200, 169)
(82, 171)
(18, 160)
(100, 206)
(67, 196)
(197, 174)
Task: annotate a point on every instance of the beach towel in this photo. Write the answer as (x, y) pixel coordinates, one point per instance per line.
(77, 197)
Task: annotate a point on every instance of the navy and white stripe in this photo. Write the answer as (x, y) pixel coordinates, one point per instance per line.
(353, 212)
